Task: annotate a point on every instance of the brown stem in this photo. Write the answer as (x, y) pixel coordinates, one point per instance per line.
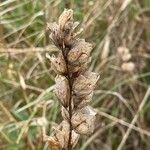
(70, 116)
(68, 76)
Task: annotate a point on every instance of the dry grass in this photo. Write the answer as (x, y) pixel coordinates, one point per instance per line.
(26, 79)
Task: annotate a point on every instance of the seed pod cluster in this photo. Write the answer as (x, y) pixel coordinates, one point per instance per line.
(74, 83)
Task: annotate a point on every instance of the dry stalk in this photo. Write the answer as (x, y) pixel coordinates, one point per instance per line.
(74, 84)
(49, 48)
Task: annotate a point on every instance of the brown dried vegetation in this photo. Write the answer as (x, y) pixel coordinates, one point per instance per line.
(74, 84)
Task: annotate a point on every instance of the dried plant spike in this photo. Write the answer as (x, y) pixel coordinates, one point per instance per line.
(74, 83)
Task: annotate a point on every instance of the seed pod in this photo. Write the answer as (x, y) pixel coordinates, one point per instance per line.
(83, 121)
(85, 84)
(80, 52)
(62, 90)
(61, 137)
(58, 64)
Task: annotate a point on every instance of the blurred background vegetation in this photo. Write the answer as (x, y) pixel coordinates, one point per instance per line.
(27, 103)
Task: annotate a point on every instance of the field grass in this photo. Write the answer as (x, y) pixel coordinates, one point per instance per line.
(28, 105)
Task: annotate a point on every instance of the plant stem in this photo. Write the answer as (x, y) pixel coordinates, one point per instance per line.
(70, 116)
(68, 76)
